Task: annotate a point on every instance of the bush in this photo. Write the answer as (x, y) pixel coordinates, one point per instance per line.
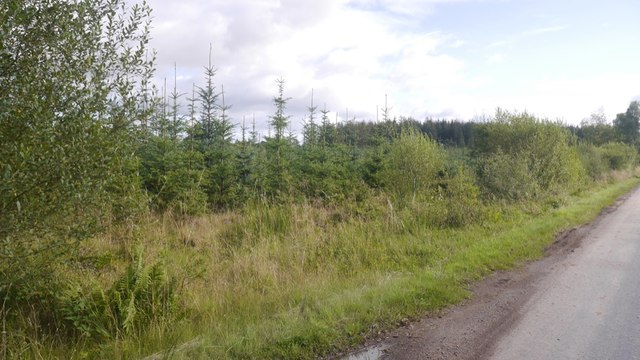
(68, 103)
(455, 201)
(599, 161)
(592, 161)
(618, 156)
(507, 176)
(412, 166)
(62, 309)
(521, 157)
(435, 190)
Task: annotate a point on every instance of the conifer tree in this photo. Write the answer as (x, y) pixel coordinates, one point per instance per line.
(245, 163)
(386, 110)
(254, 133)
(279, 121)
(221, 161)
(310, 129)
(222, 126)
(327, 130)
(171, 171)
(213, 134)
(147, 109)
(159, 122)
(176, 121)
(277, 178)
(208, 101)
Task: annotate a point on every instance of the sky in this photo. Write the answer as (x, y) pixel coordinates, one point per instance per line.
(454, 59)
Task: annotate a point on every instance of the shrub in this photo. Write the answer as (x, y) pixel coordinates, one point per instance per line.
(522, 157)
(458, 197)
(412, 166)
(436, 190)
(618, 156)
(507, 176)
(68, 103)
(592, 161)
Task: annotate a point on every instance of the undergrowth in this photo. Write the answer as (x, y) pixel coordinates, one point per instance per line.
(288, 281)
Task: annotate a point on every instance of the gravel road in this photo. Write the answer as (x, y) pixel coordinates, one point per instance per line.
(581, 301)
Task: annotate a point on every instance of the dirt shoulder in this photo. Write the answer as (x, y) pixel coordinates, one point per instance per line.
(469, 329)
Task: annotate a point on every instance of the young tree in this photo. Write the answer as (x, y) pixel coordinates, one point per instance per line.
(209, 107)
(310, 129)
(69, 71)
(221, 161)
(327, 130)
(213, 135)
(276, 180)
(412, 165)
(158, 122)
(386, 111)
(279, 121)
(176, 121)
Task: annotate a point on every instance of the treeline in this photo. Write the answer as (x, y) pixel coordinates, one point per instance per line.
(196, 165)
(596, 130)
(453, 133)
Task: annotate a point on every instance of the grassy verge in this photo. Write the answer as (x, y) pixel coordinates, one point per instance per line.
(299, 281)
(304, 288)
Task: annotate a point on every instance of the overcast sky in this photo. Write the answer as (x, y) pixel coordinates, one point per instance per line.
(561, 59)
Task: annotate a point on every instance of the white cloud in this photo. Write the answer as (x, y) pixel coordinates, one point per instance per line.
(352, 53)
(494, 59)
(569, 99)
(501, 43)
(351, 57)
(575, 99)
(526, 34)
(458, 43)
(545, 30)
(405, 7)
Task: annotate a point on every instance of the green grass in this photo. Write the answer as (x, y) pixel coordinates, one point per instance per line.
(298, 281)
(319, 293)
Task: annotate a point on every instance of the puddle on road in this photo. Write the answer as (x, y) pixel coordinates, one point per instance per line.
(369, 353)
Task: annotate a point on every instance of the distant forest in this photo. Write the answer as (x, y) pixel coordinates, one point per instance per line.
(459, 133)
